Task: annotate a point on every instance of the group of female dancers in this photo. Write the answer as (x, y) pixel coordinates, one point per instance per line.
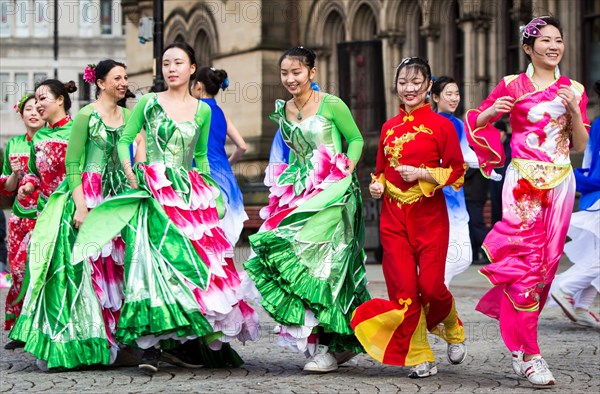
(133, 250)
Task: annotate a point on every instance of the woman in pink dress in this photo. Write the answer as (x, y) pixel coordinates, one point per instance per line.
(547, 115)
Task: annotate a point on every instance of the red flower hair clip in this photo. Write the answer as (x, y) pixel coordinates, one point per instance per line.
(89, 74)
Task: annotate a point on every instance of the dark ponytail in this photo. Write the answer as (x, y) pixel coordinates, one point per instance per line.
(212, 79)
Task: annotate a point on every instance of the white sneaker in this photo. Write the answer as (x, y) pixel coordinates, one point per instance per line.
(457, 352)
(566, 302)
(423, 370)
(517, 363)
(586, 319)
(537, 372)
(322, 361)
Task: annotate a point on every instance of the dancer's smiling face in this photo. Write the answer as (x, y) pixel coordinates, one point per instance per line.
(296, 76)
(547, 50)
(412, 87)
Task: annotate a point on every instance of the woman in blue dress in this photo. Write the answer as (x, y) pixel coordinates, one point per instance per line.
(208, 83)
(446, 96)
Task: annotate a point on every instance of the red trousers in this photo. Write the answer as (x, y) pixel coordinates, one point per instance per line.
(415, 242)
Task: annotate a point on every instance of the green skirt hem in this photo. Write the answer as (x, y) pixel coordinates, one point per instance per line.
(139, 319)
(287, 288)
(68, 355)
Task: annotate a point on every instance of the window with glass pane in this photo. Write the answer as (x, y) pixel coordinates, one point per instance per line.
(5, 88)
(40, 25)
(22, 81)
(84, 90)
(5, 18)
(22, 18)
(591, 42)
(106, 16)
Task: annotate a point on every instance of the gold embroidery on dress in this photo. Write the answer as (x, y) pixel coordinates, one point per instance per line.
(394, 151)
(541, 174)
(563, 122)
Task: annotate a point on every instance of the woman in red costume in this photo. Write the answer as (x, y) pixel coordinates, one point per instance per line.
(22, 217)
(418, 154)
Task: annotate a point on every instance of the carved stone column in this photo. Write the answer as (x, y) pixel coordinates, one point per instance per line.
(393, 42)
(432, 33)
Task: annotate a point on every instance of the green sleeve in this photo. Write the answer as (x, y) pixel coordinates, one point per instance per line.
(6, 169)
(76, 146)
(200, 152)
(132, 128)
(342, 117)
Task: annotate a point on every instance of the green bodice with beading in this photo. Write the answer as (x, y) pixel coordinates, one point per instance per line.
(101, 155)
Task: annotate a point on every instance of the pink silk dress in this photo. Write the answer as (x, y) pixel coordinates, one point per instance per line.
(537, 201)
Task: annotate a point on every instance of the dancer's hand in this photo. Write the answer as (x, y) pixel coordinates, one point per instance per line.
(25, 190)
(79, 217)
(15, 166)
(376, 189)
(569, 100)
(351, 166)
(408, 173)
(133, 183)
(503, 105)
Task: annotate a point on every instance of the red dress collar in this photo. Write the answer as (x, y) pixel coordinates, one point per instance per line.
(424, 108)
(61, 122)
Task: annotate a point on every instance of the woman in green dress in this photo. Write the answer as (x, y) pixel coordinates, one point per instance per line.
(180, 283)
(309, 263)
(71, 310)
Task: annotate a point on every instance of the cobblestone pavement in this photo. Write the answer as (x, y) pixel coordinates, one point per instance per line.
(571, 352)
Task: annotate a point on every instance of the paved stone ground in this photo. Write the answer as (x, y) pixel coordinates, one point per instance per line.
(571, 352)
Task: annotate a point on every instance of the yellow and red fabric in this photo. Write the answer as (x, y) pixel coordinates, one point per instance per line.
(414, 231)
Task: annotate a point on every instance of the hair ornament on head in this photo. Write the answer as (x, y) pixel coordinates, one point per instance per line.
(225, 84)
(19, 106)
(89, 74)
(531, 29)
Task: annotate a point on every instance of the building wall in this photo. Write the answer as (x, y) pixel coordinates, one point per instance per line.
(475, 41)
(26, 42)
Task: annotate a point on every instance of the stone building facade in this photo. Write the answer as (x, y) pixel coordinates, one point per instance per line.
(358, 43)
(88, 31)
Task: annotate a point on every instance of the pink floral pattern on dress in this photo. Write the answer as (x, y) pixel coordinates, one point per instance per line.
(327, 168)
(91, 183)
(198, 219)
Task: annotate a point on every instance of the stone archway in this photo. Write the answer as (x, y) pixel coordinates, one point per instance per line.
(364, 23)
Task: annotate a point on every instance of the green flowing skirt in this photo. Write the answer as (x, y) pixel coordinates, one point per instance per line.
(61, 321)
(314, 260)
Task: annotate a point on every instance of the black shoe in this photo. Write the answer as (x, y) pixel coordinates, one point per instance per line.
(14, 345)
(182, 357)
(481, 261)
(149, 362)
